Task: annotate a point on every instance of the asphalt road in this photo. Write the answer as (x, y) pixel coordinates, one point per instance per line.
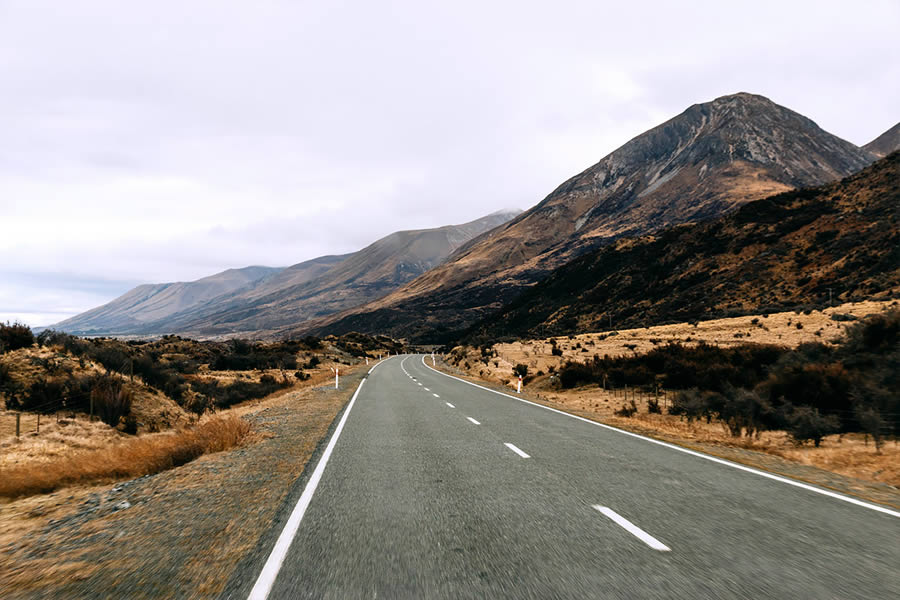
(434, 488)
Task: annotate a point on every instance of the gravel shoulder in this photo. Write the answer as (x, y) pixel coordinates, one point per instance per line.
(183, 533)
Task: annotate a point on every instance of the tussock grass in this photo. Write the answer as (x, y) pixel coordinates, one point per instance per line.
(134, 457)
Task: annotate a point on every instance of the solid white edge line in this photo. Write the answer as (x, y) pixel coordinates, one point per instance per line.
(721, 461)
(516, 450)
(633, 529)
(270, 570)
(473, 420)
(450, 405)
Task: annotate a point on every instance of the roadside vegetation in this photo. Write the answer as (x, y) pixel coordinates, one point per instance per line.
(161, 402)
(128, 458)
(840, 390)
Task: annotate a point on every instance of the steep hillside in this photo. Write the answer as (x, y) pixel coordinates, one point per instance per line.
(887, 142)
(151, 302)
(707, 161)
(783, 251)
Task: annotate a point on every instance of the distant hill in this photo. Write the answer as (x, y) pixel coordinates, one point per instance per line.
(152, 302)
(277, 298)
(776, 253)
(887, 142)
(707, 161)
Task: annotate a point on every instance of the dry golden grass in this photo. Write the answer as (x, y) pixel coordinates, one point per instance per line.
(777, 328)
(54, 441)
(135, 457)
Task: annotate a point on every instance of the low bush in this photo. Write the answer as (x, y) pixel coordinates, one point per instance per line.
(223, 396)
(682, 367)
(627, 410)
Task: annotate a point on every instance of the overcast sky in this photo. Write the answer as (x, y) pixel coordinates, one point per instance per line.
(161, 141)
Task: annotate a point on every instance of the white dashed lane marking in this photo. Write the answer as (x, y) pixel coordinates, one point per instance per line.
(516, 450)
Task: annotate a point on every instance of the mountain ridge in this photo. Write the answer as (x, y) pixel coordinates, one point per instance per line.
(292, 294)
(886, 143)
(795, 248)
(706, 161)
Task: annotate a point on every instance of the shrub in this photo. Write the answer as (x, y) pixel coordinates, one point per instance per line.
(520, 370)
(14, 336)
(41, 396)
(627, 410)
(112, 358)
(744, 410)
(805, 423)
(842, 317)
(112, 400)
(872, 424)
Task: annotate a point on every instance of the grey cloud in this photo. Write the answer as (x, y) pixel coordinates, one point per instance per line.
(209, 135)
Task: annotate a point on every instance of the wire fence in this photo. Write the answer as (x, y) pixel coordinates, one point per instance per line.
(19, 424)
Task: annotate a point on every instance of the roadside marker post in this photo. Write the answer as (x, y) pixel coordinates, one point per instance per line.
(519, 388)
(335, 369)
(432, 359)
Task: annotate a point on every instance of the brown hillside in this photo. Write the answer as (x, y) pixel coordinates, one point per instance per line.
(707, 161)
(784, 251)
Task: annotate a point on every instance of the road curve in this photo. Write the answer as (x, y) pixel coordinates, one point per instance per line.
(433, 488)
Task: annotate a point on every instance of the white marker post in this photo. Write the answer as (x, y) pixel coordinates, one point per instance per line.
(367, 361)
(432, 359)
(335, 369)
(519, 388)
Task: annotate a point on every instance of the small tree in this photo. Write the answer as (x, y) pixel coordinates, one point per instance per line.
(806, 423)
(872, 424)
(520, 370)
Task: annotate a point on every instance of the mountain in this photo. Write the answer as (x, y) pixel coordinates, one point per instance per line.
(151, 302)
(887, 142)
(295, 294)
(705, 162)
(781, 252)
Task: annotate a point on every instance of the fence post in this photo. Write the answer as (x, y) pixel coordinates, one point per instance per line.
(18, 418)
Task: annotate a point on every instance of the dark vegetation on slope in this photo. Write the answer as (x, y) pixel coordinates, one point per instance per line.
(811, 391)
(773, 254)
(177, 367)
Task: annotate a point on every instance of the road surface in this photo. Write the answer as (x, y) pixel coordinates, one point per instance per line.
(434, 488)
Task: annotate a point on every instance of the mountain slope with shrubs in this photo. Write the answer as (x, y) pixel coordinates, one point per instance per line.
(785, 251)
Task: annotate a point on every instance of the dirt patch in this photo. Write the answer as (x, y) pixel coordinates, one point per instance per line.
(177, 534)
